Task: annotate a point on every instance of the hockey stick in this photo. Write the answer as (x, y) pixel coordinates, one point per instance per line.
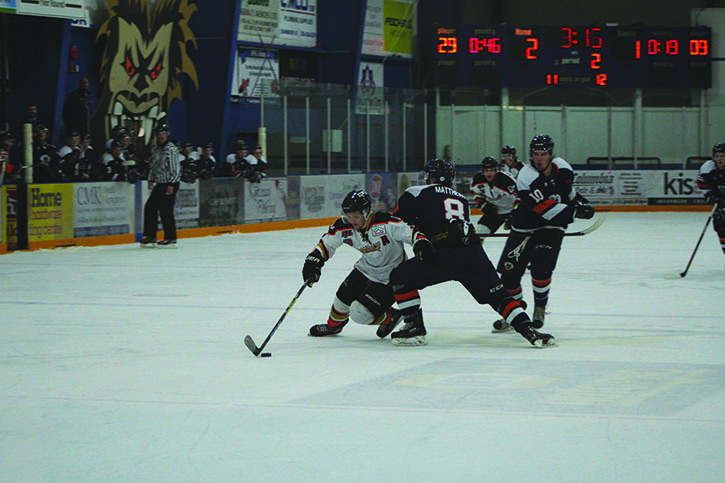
(597, 223)
(682, 274)
(249, 342)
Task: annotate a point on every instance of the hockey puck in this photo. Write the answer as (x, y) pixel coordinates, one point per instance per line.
(266, 354)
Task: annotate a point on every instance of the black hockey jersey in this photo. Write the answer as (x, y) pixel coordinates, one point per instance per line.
(710, 178)
(430, 208)
(545, 202)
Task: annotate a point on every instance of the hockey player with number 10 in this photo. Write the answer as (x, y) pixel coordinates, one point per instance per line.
(365, 295)
(548, 202)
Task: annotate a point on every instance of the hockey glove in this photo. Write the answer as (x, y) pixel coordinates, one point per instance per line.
(312, 270)
(714, 197)
(583, 210)
(423, 250)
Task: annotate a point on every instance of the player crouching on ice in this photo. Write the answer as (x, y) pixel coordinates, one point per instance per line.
(365, 295)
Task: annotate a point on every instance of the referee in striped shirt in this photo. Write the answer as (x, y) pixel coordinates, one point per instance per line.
(164, 176)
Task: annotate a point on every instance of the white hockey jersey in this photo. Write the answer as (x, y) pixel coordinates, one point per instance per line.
(381, 246)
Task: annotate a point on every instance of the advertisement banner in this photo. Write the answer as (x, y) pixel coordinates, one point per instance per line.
(646, 187)
(8, 6)
(265, 201)
(50, 212)
(370, 95)
(372, 43)
(278, 22)
(383, 190)
(298, 23)
(5, 209)
(103, 208)
(186, 209)
(321, 196)
(61, 9)
(221, 202)
(398, 28)
(256, 74)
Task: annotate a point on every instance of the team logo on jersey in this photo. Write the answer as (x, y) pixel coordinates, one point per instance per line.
(377, 230)
(346, 233)
(375, 247)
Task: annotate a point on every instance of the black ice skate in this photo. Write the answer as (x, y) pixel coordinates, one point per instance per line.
(537, 321)
(413, 332)
(501, 326)
(167, 243)
(536, 338)
(148, 242)
(393, 321)
(321, 330)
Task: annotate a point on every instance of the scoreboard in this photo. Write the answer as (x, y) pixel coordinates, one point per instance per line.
(596, 56)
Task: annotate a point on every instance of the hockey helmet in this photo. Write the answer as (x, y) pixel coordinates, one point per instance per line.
(489, 162)
(162, 127)
(240, 145)
(208, 145)
(439, 171)
(718, 148)
(357, 200)
(541, 142)
(508, 149)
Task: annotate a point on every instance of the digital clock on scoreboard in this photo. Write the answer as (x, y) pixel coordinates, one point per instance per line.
(539, 56)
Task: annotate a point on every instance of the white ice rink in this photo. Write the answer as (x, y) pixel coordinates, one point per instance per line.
(124, 364)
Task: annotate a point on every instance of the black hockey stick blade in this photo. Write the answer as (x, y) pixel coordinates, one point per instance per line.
(597, 223)
(249, 342)
(248, 339)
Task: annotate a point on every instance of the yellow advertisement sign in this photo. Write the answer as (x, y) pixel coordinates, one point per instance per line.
(50, 212)
(398, 27)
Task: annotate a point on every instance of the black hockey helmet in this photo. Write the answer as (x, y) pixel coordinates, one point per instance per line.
(208, 145)
(439, 171)
(162, 127)
(718, 148)
(489, 162)
(357, 200)
(541, 142)
(508, 149)
(240, 145)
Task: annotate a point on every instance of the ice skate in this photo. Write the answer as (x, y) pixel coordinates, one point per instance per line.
(321, 330)
(393, 321)
(148, 242)
(167, 244)
(412, 334)
(500, 326)
(536, 338)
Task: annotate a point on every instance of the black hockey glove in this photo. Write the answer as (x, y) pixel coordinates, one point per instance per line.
(583, 210)
(312, 270)
(714, 197)
(423, 250)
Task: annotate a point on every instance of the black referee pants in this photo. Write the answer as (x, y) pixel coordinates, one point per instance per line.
(160, 203)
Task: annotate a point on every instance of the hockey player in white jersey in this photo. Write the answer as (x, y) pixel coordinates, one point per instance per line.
(365, 295)
(494, 192)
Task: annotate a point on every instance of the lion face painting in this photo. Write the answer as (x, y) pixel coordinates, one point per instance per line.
(144, 55)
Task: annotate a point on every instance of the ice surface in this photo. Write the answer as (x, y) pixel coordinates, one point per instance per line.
(126, 364)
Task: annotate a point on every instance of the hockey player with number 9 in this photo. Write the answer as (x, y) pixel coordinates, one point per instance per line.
(365, 295)
(548, 202)
(711, 180)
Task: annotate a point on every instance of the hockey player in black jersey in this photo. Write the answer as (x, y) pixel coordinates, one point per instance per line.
(548, 202)
(452, 251)
(494, 192)
(365, 295)
(711, 180)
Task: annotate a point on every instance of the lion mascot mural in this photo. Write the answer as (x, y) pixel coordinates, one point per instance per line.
(144, 55)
